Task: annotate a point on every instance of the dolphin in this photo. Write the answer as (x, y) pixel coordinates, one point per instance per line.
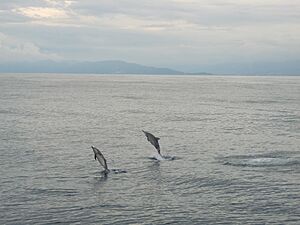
(153, 140)
(100, 158)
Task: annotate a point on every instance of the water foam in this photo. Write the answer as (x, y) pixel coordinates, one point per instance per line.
(260, 161)
(162, 157)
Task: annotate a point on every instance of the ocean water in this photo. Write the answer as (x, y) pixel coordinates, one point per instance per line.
(234, 142)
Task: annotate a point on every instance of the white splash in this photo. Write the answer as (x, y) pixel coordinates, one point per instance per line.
(261, 161)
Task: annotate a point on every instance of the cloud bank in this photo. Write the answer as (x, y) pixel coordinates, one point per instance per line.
(190, 35)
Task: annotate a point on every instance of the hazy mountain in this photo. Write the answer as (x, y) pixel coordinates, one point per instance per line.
(291, 68)
(101, 67)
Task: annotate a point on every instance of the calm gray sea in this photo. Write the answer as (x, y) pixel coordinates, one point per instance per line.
(235, 141)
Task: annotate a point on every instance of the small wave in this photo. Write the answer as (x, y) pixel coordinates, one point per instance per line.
(163, 158)
(128, 97)
(53, 191)
(117, 171)
(260, 161)
(111, 171)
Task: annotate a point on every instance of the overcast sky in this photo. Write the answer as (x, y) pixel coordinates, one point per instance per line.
(191, 35)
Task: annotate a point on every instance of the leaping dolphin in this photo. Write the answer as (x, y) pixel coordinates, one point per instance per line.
(153, 140)
(100, 158)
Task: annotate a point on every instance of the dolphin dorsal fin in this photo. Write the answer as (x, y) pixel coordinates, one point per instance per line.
(157, 138)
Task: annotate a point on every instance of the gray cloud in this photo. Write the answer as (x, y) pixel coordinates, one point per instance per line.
(175, 33)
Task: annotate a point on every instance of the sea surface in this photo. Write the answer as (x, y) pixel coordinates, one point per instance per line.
(232, 149)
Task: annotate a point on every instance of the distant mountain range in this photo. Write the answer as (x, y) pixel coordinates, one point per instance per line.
(100, 67)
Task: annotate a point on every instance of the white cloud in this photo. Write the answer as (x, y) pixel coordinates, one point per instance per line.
(42, 12)
(59, 3)
(121, 21)
(14, 49)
